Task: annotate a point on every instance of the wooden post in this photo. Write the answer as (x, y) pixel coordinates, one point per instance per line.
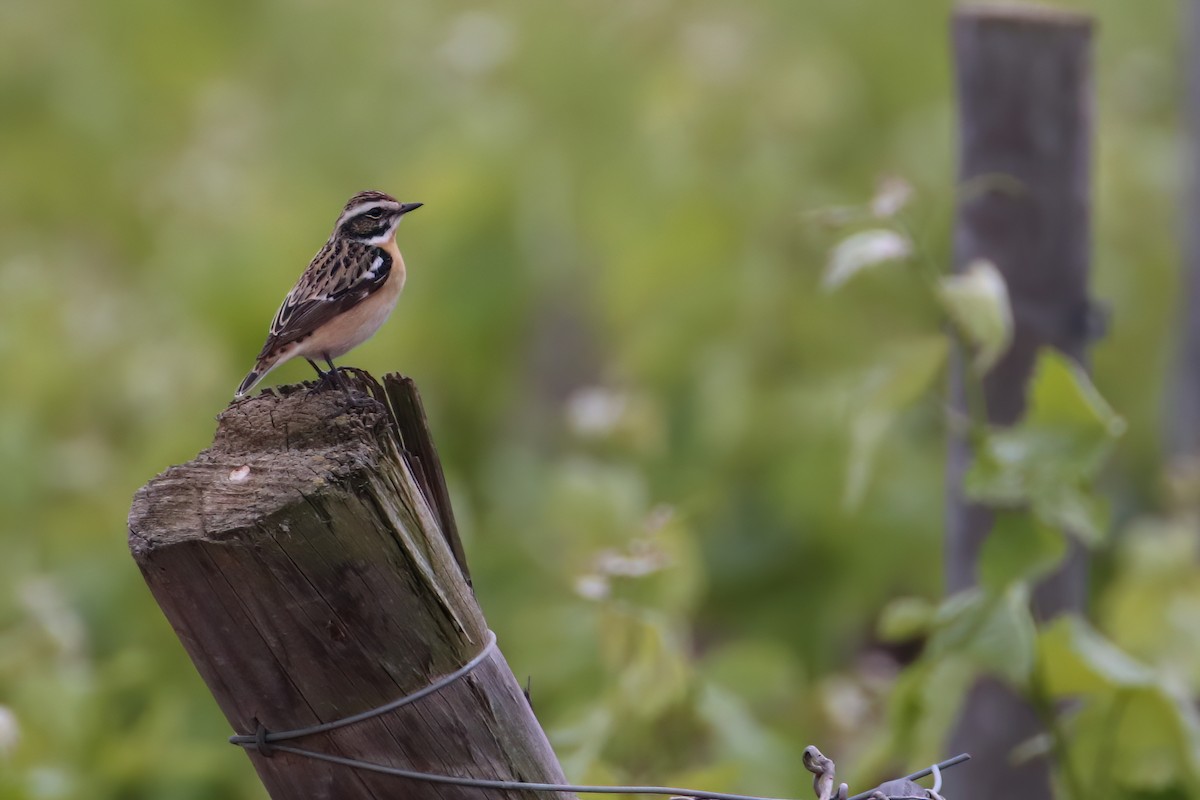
(1024, 90)
(309, 563)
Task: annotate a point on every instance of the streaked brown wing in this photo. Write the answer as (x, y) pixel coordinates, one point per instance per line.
(342, 275)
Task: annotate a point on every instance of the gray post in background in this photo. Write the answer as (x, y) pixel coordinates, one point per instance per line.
(1024, 87)
(1183, 420)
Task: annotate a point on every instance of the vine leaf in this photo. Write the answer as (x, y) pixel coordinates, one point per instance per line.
(1075, 659)
(994, 631)
(1020, 547)
(977, 301)
(902, 377)
(1048, 461)
(863, 250)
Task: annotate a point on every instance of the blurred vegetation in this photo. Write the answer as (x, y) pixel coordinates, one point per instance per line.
(645, 402)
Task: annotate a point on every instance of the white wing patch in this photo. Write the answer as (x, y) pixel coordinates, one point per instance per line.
(373, 272)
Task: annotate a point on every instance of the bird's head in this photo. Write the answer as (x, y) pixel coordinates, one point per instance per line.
(371, 217)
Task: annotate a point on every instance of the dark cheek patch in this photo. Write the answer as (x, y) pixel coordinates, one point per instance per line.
(368, 228)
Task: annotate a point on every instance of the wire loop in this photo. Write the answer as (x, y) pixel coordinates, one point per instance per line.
(261, 737)
(265, 742)
(261, 744)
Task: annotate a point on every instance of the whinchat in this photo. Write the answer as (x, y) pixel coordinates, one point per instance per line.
(349, 289)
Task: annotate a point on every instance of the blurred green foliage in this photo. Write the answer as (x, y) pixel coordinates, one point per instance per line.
(650, 413)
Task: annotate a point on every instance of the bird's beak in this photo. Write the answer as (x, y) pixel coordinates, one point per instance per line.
(407, 207)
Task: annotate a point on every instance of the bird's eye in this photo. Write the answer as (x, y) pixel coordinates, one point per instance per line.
(374, 213)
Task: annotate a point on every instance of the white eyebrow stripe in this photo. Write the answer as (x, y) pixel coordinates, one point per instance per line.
(359, 209)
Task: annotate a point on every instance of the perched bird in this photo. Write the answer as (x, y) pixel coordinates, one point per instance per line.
(349, 289)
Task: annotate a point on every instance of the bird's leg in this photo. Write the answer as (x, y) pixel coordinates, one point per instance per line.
(337, 376)
(323, 378)
(340, 379)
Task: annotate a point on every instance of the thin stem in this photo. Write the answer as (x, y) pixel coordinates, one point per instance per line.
(929, 274)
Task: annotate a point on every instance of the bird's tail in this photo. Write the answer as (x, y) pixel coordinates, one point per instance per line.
(261, 368)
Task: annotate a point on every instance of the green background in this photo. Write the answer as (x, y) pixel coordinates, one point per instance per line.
(613, 311)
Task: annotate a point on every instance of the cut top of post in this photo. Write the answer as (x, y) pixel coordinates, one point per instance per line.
(254, 466)
(267, 449)
(1023, 13)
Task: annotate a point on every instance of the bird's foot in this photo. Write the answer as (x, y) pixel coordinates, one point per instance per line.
(357, 399)
(325, 380)
(338, 378)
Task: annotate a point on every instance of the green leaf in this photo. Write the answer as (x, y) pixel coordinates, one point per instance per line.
(1049, 458)
(867, 431)
(1141, 740)
(1151, 605)
(1063, 395)
(904, 375)
(1019, 548)
(1070, 508)
(863, 250)
(1074, 659)
(994, 631)
(923, 705)
(977, 301)
(905, 618)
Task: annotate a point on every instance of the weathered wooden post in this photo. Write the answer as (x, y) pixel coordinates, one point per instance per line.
(1024, 90)
(309, 564)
